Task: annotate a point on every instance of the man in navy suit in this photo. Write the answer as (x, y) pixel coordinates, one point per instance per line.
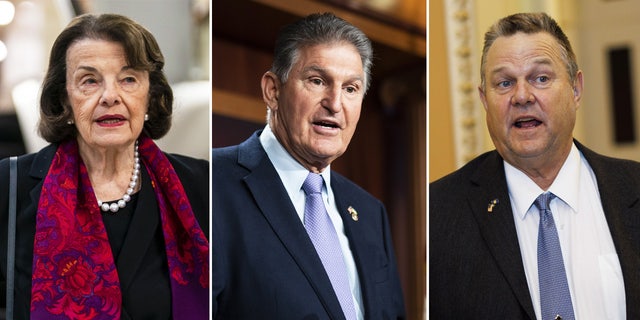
(487, 253)
(265, 263)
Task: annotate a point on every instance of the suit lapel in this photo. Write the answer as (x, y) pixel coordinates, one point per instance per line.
(359, 244)
(142, 229)
(276, 207)
(39, 170)
(497, 226)
(619, 194)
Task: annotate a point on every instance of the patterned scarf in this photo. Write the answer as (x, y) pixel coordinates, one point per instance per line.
(74, 273)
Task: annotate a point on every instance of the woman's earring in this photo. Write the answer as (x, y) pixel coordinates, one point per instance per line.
(70, 122)
(146, 117)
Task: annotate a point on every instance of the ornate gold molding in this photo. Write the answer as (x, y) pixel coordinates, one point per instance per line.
(465, 109)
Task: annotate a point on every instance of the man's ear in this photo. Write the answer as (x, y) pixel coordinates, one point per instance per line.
(578, 85)
(270, 89)
(483, 97)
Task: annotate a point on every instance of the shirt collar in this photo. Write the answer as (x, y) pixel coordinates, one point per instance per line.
(523, 191)
(291, 172)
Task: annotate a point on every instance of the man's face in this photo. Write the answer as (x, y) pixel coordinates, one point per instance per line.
(529, 99)
(315, 113)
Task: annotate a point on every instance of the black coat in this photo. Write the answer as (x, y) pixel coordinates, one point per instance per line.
(142, 265)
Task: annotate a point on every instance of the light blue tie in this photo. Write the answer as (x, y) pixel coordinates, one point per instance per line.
(325, 240)
(555, 298)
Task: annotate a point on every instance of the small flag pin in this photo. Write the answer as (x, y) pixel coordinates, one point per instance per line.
(492, 204)
(353, 212)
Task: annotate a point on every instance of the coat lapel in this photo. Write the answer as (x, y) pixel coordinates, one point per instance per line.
(274, 203)
(360, 245)
(620, 197)
(142, 229)
(39, 170)
(498, 227)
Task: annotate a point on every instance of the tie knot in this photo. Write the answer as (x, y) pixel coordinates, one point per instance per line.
(543, 200)
(313, 183)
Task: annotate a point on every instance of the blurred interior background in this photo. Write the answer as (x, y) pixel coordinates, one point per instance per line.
(29, 27)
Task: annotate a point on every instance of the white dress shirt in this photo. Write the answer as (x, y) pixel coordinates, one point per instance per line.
(292, 174)
(591, 263)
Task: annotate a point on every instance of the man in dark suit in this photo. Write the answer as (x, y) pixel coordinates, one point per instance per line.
(268, 262)
(489, 247)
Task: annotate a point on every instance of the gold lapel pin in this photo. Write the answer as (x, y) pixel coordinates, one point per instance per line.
(353, 212)
(492, 204)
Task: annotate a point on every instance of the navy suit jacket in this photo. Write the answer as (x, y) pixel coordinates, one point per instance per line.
(475, 265)
(264, 264)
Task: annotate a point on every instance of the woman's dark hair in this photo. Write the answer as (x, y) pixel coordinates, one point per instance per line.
(142, 53)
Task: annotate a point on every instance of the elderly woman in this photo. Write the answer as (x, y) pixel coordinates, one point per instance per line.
(108, 226)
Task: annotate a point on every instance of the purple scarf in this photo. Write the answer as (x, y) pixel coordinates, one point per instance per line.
(74, 273)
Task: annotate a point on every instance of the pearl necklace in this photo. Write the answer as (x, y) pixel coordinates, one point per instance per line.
(117, 205)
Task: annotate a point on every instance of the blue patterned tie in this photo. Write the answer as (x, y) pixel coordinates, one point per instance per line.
(555, 298)
(325, 240)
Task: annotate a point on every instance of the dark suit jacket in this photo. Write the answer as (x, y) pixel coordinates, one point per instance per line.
(142, 262)
(264, 264)
(475, 265)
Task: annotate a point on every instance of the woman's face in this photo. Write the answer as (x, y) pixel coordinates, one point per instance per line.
(109, 99)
